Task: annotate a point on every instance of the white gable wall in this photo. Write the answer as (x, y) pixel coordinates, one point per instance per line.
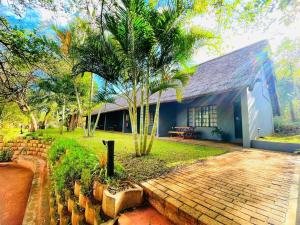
(257, 112)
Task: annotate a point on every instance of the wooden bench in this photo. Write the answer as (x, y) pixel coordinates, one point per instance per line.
(184, 132)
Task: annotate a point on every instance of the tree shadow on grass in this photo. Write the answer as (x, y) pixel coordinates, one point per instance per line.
(142, 168)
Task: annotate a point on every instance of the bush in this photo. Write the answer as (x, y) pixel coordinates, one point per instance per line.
(6, 155)
(71, 161)
(86, 182)
(70, 164)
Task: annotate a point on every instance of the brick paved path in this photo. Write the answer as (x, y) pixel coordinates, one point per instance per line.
(244, 187)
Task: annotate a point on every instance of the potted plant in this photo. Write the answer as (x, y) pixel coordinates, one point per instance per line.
(6, 154)
(100, 182)
(77, 215)
(121, 195)
(91, 212)
(77, 188)
(221, 134)
(64, 217)
(86, 189)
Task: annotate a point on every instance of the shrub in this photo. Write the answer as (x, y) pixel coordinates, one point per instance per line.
(86, 182)
(71, 163)
(6, 155)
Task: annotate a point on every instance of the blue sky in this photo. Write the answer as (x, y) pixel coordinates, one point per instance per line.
(30, 20)
(42, 19)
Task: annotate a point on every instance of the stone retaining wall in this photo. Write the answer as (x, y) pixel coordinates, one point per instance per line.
(26, 146)
(32, 154)
(77, 208)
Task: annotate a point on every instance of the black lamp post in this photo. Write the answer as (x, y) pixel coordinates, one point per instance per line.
(21, 129)
(110, 156)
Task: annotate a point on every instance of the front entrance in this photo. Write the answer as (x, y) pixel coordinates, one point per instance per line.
(238, 120)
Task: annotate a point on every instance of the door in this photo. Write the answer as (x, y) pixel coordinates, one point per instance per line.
(238, 120)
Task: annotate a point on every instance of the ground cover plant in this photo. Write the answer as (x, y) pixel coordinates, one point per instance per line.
(282, 138)
(6, 155)
(165, 155)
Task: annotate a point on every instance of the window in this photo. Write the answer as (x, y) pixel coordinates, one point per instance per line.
(204, 116)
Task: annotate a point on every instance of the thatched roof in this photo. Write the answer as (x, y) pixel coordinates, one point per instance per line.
(232, 71)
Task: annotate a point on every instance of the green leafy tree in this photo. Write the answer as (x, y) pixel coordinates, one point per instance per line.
(23, 54)
(287, 65)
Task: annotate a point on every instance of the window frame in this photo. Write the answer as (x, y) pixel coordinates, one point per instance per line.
(203, 116)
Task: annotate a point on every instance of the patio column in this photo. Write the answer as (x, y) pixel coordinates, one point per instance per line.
(123, 122)
(245, 118)
(104, 127)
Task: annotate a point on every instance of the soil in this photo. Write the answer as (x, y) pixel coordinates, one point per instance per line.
(15, 184)
(120, 186)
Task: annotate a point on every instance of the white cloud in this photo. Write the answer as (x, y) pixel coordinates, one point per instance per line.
(59, 17)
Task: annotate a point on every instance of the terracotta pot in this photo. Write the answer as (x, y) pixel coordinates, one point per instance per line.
(64, 219)
(98, 189)
(77, 188)
(53, 221)
(129, 198)
(71, 204)
(60, 207)
(82, 200)
(52, 210)
(91, 212)
(77, 217)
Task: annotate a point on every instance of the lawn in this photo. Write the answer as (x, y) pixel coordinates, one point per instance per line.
(164, 156)
(284, 139)
(11, 133)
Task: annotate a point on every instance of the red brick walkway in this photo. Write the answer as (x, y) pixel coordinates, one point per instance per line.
(244, 187)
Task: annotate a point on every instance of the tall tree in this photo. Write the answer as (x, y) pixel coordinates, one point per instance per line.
(22, 55)
(287, 65)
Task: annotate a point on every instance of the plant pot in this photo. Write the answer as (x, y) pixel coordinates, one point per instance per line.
(112, 204)
(77, 188)
(60, 208)
(71, 204)
(52, 210)
(91, 212)
(64, 219)
(82, 200)
(98, 189)
(77, 217)
(53, 221)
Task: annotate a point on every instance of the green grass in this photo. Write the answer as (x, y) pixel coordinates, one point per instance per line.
(164, 156)
(284, 139)
(11, 133)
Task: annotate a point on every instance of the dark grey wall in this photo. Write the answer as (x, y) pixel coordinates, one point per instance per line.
(167, 118)
(225, 117)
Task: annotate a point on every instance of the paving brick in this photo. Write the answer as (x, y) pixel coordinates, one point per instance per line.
(229, 189)
(205, 220)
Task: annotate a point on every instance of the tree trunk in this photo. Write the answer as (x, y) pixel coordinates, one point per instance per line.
(156, 117)
(96, 123)
(292, 111)
(142, 120)
(33, 123)
(90, 106)
(146, 126)
(80, 111)
(135, 126)
(63, 116)
(45, 121)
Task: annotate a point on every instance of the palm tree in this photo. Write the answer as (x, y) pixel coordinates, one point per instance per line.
(141, 53)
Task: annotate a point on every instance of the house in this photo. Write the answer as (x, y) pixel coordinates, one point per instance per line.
(235, 92)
